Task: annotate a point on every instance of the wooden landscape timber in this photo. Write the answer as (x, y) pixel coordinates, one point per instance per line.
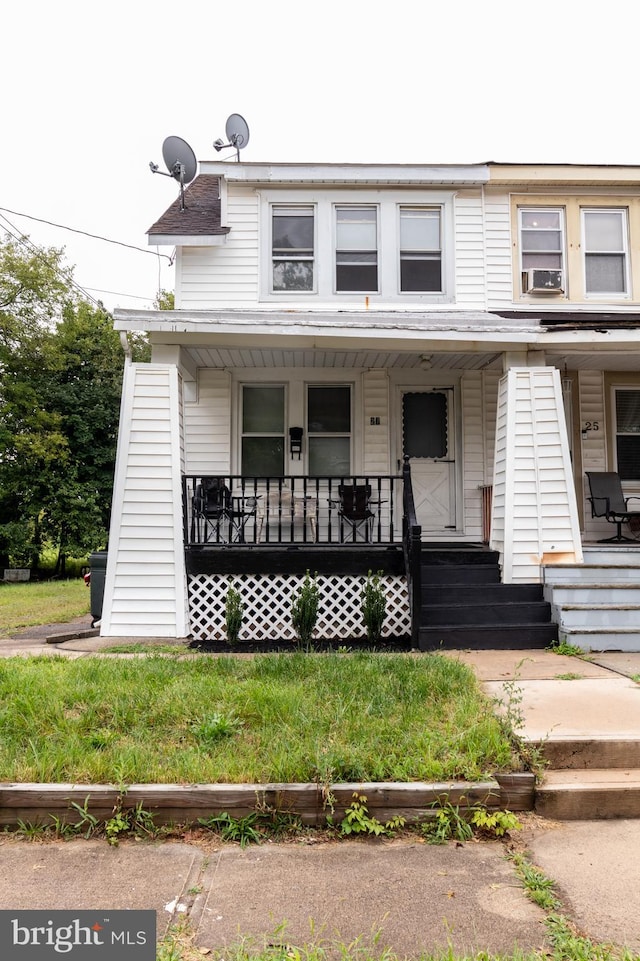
(38, 804)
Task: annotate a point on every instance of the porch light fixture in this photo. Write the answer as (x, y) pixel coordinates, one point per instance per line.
(426, 361)
(295, 441)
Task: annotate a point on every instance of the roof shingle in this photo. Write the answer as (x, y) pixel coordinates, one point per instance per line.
(201, 215)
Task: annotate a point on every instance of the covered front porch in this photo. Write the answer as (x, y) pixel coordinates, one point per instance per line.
(495, 424)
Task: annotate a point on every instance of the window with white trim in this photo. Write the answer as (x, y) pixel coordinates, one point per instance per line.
(420, 249)
(263, 434)
(357, 249)
(292, 248)
(605, 250)
(542, 238)
(627, 415)
(329, 430)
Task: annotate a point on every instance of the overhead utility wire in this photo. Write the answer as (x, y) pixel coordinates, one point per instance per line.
(21, 239)
(85, 233)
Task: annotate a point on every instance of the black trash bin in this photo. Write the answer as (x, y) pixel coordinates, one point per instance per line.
(98, 567)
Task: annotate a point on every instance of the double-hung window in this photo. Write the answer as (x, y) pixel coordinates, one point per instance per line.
(329, 430)
(292, 248)
(605, 250)
(420, 249)
(357, 249)
(542, 238)
(627, 412)
(263, 430)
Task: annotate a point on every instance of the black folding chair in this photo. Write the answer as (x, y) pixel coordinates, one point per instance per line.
(354, 510)
(211, 510)
(607, 500)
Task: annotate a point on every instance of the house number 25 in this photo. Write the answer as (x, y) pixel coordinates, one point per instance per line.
(591, 425)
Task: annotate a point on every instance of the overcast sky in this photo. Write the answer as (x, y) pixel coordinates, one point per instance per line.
(90, 91)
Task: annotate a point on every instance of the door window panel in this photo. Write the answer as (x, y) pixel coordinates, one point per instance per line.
(424, 425)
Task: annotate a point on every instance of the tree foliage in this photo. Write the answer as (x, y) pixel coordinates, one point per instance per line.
(61, 367)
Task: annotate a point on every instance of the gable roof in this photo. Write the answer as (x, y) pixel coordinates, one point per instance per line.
(201, 216)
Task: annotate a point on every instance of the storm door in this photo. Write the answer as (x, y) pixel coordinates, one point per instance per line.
(428, 439)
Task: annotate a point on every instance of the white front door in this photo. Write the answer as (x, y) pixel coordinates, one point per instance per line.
(428, 439)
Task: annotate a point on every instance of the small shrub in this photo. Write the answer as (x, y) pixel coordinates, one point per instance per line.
(233, 611)
(374, 607)
(304, 609)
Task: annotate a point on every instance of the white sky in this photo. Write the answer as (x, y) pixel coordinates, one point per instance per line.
(90, 91)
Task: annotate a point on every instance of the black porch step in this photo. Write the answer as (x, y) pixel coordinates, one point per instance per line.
(480, 615)
(460, 574)
(512, 637)
(465, 604)
(484, 593)
(456, 556)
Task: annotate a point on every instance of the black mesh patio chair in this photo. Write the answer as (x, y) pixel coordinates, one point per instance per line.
(607, 500)
(354, 510)
(211, 510)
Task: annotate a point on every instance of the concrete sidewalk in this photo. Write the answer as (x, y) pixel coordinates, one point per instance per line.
(405, 895)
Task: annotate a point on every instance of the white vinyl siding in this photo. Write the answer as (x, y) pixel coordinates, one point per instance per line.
(228, 274)
(499, 261)
(375, 395)
(594, 449)
(469, 250)
(478, 393)
(535, 516)
(145, 581)
(208, 425)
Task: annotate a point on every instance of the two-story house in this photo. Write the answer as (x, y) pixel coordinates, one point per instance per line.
(398, 368)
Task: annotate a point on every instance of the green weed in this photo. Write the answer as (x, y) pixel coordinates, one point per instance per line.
(357, 820)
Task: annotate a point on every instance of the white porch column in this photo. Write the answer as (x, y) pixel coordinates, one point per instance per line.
(145, 584)
(535, 515)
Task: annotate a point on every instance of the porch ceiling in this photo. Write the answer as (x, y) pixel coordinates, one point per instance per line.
(346, 359)
(263, 357)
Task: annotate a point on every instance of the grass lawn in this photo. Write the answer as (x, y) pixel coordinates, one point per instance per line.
(41, 602)
(281, 717)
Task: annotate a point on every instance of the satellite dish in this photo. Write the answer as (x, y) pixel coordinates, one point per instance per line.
(180, 159)
(237, 131)
(181, 163)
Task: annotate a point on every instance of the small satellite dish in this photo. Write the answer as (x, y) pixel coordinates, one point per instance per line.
(181, 163)
(237, 131)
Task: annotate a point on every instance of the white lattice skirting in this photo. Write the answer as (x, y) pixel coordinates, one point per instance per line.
(267, 606)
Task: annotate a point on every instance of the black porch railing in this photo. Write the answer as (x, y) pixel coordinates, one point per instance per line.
(229, 510)
(412, 547)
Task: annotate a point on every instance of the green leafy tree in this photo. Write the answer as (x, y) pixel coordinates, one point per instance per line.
(61, 367)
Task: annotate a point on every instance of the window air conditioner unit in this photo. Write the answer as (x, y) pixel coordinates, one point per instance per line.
(536, 281)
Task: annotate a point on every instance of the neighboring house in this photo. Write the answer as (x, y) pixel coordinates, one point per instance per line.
(428, 332)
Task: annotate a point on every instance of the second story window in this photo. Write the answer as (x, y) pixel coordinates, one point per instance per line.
(542, 238)
(420, 249)
(292, 243)
(357, 249)
(605, 251)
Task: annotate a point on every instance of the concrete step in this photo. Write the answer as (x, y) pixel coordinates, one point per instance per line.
(601, 639)
(589, 753)
(570, 795)
(579, 592)
(624, 554)
(591, 574)
(612, 616)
